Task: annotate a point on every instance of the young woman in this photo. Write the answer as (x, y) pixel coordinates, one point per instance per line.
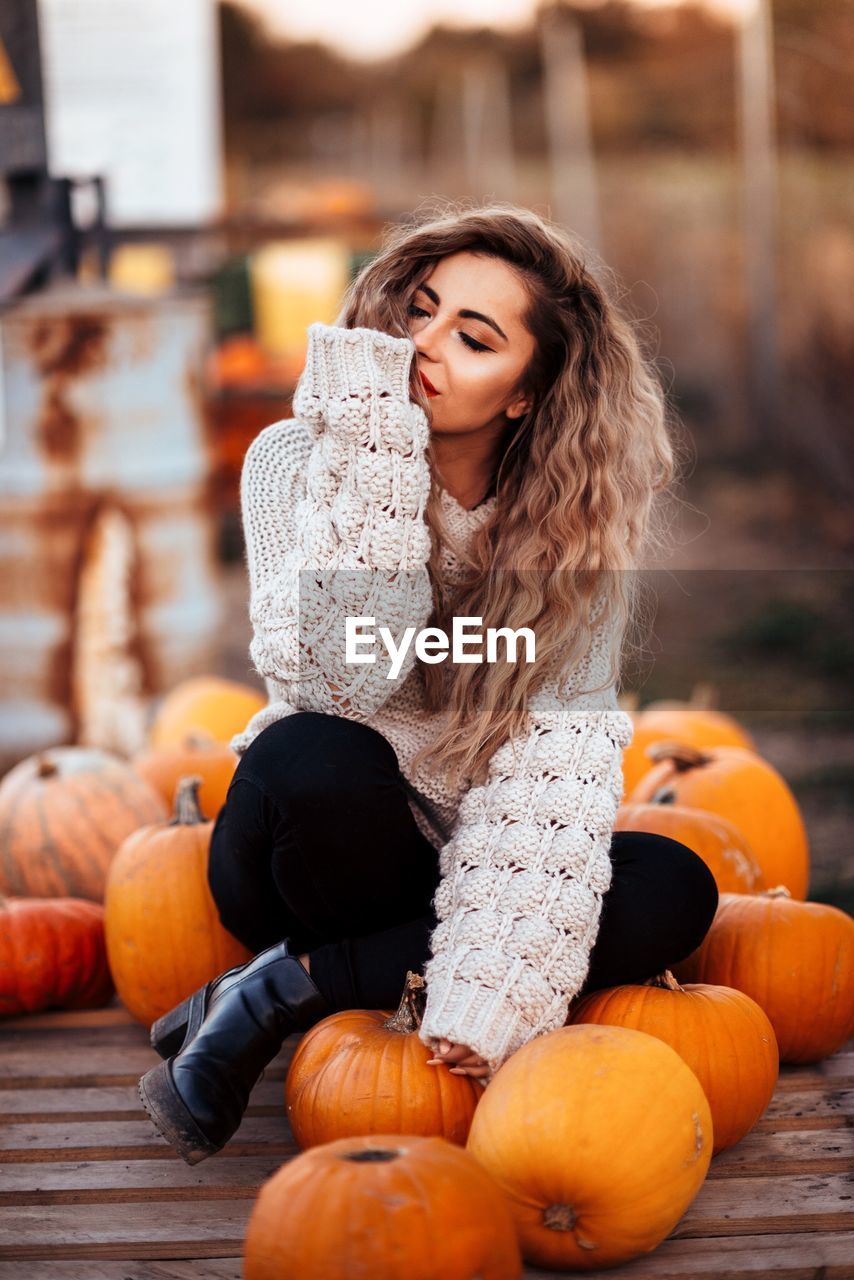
(479, 439)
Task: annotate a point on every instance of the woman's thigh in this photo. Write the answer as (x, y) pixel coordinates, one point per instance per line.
(659, 907)
(322, 812)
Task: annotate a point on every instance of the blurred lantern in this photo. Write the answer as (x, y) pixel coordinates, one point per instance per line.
(294, 284)
(142, 268)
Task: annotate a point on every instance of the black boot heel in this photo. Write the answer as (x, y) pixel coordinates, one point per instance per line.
(170, 1033)
(197, 1097)
(170, 1117)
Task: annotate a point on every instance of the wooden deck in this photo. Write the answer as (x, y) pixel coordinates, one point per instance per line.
(89, 1191)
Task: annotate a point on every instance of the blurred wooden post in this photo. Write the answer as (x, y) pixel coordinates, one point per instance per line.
(387, 150)
(474, 109)
(499, 136)
(573, 173)
(759, 173)
(360, 146)
(445, 137)
(487, 129)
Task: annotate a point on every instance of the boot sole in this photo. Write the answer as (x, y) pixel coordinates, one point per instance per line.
(170, 1117)
(170, 1033)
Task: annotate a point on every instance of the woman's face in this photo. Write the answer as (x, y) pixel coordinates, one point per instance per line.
(472, 348)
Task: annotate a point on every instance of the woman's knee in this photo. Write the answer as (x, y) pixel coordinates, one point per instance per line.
(694, 888)
(313, 757)
(679, 880)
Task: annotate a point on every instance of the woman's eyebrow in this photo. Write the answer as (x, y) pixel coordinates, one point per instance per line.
(465, 313)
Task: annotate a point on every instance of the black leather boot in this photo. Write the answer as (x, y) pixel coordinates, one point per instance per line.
(232, 1028)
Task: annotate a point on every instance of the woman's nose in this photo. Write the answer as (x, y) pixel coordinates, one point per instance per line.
(426, 341)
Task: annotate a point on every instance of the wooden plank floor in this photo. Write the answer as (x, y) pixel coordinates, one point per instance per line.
(89, 1190)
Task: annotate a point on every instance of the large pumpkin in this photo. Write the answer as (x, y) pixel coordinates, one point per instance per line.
(600, 1136)
(164, 937)
(721, 846)
(795, 959)
(198, 754)
(382, 1207)
(363, 1071)
(723, 1035)
(205, 704)
(52, 955)
(741, 786)
(63, 814)
(669, 720)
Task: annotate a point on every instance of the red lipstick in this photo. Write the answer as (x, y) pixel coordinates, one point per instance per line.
(428, 385)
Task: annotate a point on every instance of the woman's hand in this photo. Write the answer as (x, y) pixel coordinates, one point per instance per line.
(461, 1059)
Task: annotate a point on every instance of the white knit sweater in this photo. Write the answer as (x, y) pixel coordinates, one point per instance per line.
(333, 506)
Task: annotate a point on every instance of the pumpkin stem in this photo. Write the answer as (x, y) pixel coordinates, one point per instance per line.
(559, 1217)
(678, 753)
(779, 891)
(188, 812)
(411, 1008)
(665, 980)
(46, 768)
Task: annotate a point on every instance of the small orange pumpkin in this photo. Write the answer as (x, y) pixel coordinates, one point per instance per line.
(600, 1137)
(63, 814)
(686, 722)
(52, 955)
(205, 704)
(214, 762)
(382, 1206)
(795, 959)
(714, 839)
(363, 1071)
(724, 1036)
(164, 937)
(739, 785)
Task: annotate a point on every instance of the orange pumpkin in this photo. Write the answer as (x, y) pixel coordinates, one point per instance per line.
(214, 762)
(63, 814)
(207, 704)
(723, 1035)
(714, 839)
(685, 722)
(795, 959)
(383, 1207)
(52, 955)
(363, 1071)
(739, 785)
(600, 1136)
(164, 938)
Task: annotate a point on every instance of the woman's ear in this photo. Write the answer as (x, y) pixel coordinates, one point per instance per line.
(519, 407)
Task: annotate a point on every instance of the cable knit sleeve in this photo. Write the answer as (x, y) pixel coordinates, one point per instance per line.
(525, 871)
(359, 543)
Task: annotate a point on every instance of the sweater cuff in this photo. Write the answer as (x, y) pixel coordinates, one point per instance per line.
(484, 1018)
(354, 363)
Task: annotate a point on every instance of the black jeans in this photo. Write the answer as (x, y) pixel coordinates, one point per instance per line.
(316, 843)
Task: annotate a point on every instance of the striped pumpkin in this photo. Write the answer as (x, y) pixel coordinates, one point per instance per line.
(63, 814)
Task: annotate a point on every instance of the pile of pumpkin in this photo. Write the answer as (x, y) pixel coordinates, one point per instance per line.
(634, 1095)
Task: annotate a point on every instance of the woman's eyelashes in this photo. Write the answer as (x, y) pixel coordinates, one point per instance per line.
(415, 311)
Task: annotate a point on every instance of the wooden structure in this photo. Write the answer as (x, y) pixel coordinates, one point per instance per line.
(90, 1191)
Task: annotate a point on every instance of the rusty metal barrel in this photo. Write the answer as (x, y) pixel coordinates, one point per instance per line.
(109, 583)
